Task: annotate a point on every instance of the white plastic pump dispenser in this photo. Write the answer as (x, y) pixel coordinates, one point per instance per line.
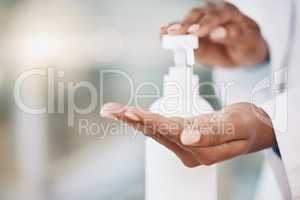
(166, 176)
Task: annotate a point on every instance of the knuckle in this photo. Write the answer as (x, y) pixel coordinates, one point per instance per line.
(196, 11)
(232, 114)
(230, 10)
(250, 23)
(216, 15)
(228, 6)
(210, 5)
(234, 31)
(192, 17)
(208, 8)
(210, 19)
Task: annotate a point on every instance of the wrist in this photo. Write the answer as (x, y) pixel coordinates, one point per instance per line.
(254, 124)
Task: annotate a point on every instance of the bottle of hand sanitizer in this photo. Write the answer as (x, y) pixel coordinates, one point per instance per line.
(166, 177)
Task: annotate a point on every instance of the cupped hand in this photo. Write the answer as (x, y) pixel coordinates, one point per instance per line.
(227, 37)
(204, 140)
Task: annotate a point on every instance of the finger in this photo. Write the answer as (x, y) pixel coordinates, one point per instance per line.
(169, 127)
(182, 27)
(131, 114)
(211, 130)
(164, 28)
(215, 154)
(249, 24)
(143, 126)
(243, 46)
(213, 54)
(191, 19)
(193, 28)
(215, 18)
(209, 22)
(174, 29)
(112, 110)
(132, 119)
(229, 34)
(186, 156)
(190, 24)
(117, 111)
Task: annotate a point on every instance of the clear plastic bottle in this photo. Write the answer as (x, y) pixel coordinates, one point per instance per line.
(166, 176)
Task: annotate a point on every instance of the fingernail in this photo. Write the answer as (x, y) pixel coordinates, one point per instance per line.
(174, 28)
(219, 33)
(132, 116)
(190, 137)
(111, 109)
(194, 28)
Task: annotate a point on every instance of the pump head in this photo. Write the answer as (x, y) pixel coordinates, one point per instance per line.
(183, 47)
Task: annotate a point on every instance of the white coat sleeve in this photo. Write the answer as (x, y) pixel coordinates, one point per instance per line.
(274, 20)
(284, 111)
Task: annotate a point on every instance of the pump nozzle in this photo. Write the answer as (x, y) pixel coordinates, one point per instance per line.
(183, 47)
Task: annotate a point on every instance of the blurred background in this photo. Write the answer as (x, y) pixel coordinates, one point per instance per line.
(41, 157)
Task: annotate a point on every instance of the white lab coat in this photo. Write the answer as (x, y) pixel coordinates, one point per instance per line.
(274, 18)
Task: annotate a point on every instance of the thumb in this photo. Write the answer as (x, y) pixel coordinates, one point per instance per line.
(226, 34)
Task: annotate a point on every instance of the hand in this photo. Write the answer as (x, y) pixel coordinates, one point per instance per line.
(236, 130)
(227, 37)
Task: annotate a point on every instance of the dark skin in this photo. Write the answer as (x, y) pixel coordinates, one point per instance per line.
(236, 130)
(227, 38)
